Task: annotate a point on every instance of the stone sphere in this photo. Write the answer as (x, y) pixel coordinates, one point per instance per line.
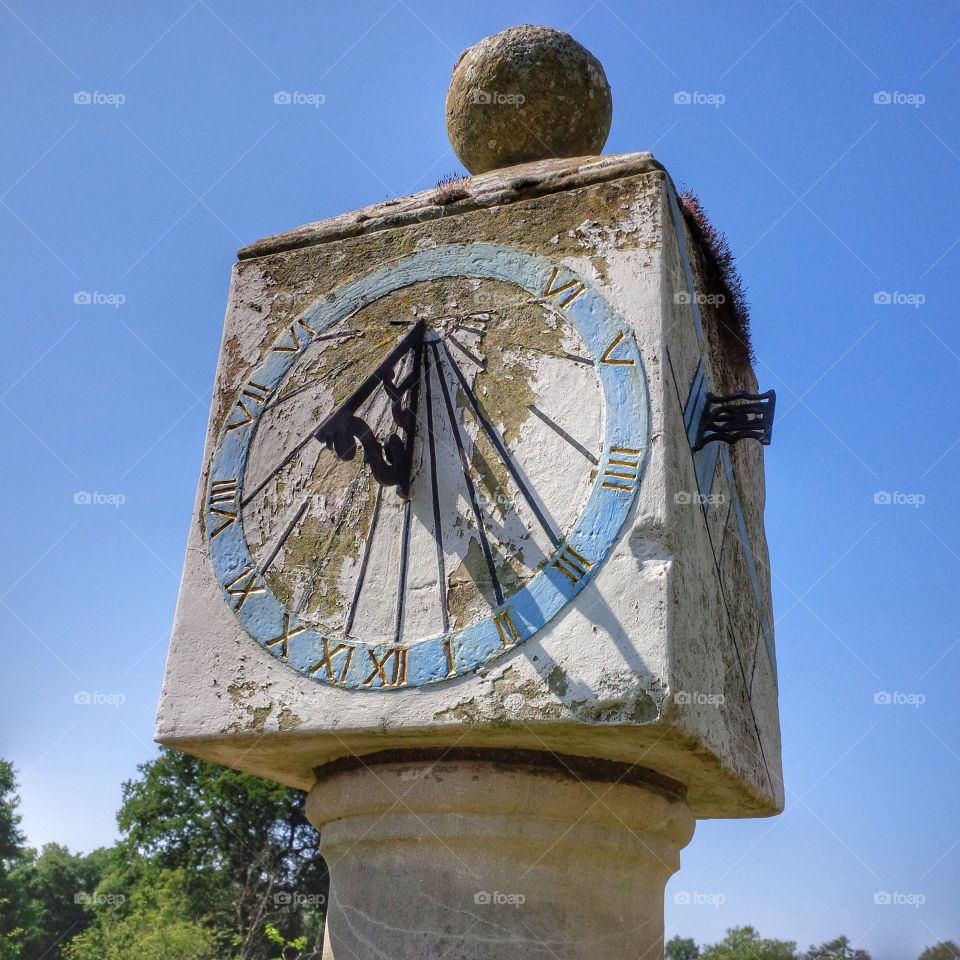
(528, 93)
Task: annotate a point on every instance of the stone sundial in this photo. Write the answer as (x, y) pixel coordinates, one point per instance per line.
(478, 553)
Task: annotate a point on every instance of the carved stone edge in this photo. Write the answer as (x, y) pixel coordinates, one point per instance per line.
(498, 187)
(567, 766)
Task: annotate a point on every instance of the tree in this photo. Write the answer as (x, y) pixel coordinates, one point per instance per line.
(678, 948)
(152, 923)
(54, 890)
(945, 950)
(744, 943)
(247, 852)
(838, 949)
(12, 851)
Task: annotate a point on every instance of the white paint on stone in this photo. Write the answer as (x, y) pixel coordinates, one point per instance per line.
(623, 672)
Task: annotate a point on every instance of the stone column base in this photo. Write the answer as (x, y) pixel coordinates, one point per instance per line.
(495, 854)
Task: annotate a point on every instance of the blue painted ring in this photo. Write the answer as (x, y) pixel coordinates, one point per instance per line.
(354, 665)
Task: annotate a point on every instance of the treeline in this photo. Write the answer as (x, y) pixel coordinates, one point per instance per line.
(215, 865)
(212, 864)
(744, 943)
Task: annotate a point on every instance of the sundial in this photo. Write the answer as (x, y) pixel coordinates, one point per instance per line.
(477, 554)
(426, 466)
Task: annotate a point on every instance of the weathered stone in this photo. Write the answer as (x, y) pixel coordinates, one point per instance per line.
(488, 859)
(647, 665)
(527, 93)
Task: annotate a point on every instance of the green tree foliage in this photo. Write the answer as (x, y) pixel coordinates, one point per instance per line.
(152, 923)
(678, 948)
(11, 853)
(54, 890)
(838, 949)
(945, 950)
(744, 943)
(246, 852)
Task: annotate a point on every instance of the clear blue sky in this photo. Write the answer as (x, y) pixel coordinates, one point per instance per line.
(828, 199)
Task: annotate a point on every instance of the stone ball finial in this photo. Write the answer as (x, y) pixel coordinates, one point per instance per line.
(527, 93)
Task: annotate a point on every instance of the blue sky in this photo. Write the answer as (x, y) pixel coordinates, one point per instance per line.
(137, 201)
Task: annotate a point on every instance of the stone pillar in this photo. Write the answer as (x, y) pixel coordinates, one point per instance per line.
(493, 854)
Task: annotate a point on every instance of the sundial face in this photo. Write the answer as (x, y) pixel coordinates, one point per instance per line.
(427, 466)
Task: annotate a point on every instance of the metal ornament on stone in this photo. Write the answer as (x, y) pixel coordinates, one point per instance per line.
(391, 461)
(738, 416)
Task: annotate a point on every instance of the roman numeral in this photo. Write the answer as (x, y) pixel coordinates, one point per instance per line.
(572, 289)
(223, 496)
(326, 662)
(284, 638)
(398, 676)
(507, 629)
(622, 469)
(295, 341)
(244, 585)
(572, 565)
(608, 356)
(252, 392)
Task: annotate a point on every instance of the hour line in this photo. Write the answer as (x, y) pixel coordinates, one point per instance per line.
(501, 449)
(455, 427)
(286, 533)
(556, 428)
(364, 561)
(402, 574)
(467, 353)
(435, 491)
